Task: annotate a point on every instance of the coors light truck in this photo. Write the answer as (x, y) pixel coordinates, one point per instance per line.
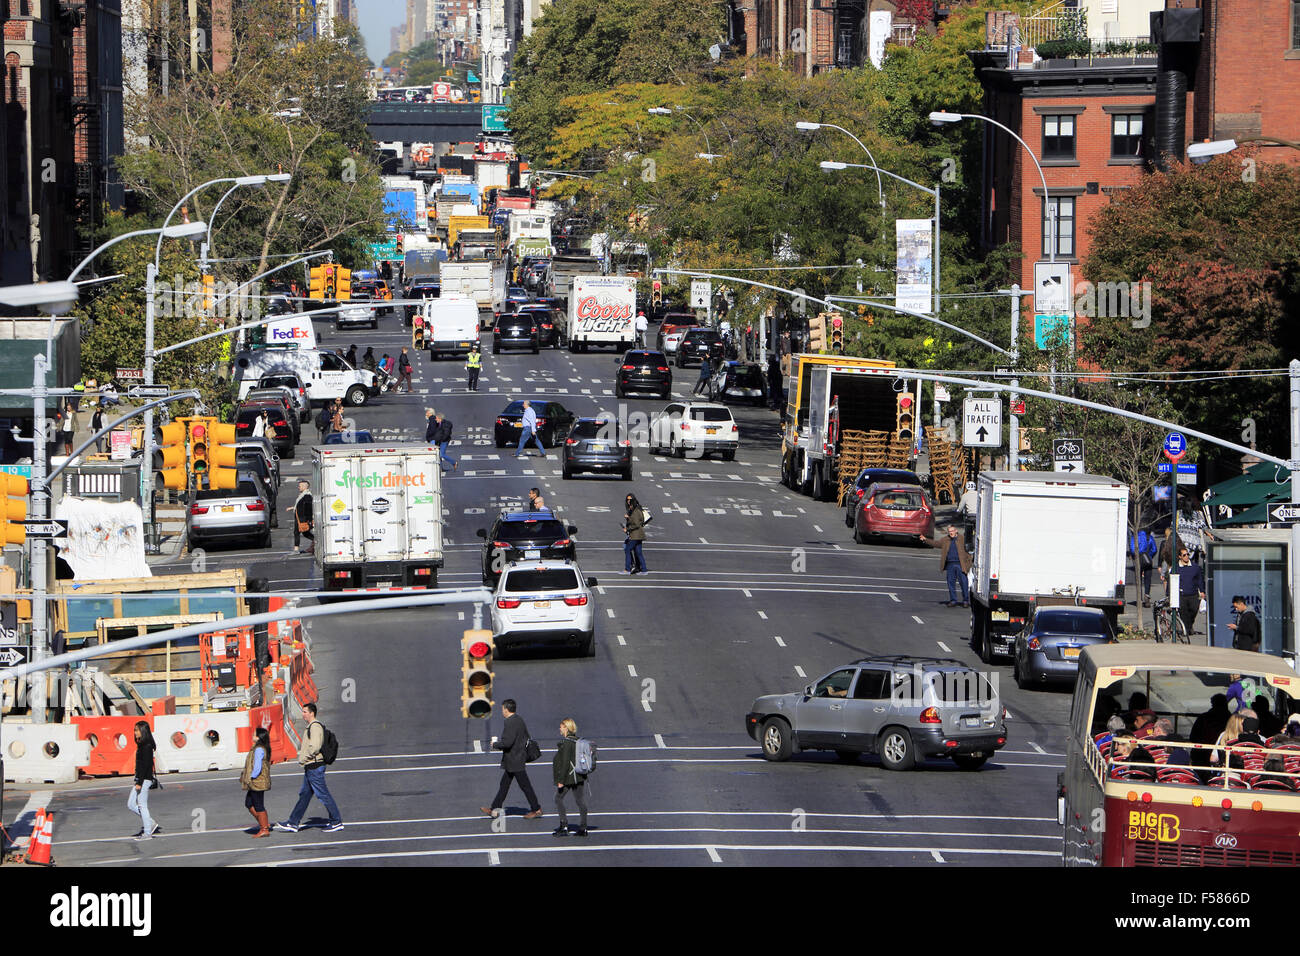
(602, 311)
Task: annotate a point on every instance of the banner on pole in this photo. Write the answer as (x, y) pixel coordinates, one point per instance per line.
(912, 287)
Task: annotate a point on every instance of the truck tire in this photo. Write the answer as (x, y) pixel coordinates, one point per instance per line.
(356, 396)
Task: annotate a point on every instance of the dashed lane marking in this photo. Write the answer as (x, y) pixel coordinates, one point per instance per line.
(917, 619)
(478, 746)
(894, 597)
(1037, 748)
(704, 540)
(818, 529)
(763, 615)
(659, 740)
(645, 704)
(745, 591)
(609, 611)
(631, 670)
(938, 857)
(799, 671)
(777, 638)
(713, 854)
(494, 858)
(621, 642)
(944, 647)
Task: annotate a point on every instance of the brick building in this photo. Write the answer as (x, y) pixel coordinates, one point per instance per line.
(811, 37)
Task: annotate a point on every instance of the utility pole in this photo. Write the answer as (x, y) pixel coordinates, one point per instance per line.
(1013, 430)
(1294, 465)
(40, 510)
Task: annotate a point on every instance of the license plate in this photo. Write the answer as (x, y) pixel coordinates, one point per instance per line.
(711, 431)
(532, 554)
(600, 448)
(971, 722)
(896, 514)
(1000, 616)
(226, 509)
(541, 604)
(1069, 652)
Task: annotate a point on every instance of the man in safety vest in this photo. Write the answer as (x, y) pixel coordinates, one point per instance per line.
(473, 365)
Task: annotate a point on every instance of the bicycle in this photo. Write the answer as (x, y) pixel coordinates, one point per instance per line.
(1168, 624)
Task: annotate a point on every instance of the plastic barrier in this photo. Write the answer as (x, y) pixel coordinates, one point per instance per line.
(191, 742)
(41, 753)
(112, 743)
(300, 682)
(272, 718)
(164, 705)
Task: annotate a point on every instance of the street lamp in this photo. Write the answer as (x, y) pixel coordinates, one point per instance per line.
(1201, 153)
(664, 111)
(809, 127)
(207, 246)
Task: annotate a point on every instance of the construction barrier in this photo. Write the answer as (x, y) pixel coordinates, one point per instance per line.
(272, 718)
(301, 684)
(195, 742)
(41, 753)
(41, 847)
(112, 744)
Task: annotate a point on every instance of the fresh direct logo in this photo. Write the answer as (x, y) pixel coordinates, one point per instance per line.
(289, 334)
(389, 480)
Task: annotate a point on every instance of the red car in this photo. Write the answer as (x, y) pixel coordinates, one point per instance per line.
(893, 510)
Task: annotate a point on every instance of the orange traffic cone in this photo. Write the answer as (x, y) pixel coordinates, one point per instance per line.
(38, 851)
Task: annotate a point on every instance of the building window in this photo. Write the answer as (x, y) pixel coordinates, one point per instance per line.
(1295, 24)
(1126, 135)
(1064, 208)
(1058, 137)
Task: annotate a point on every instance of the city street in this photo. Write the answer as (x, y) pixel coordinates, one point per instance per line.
(753, 590)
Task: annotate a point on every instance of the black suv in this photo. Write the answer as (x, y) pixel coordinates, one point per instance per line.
(524, 536)
(642, 370)
(517, 331)
(696, 344)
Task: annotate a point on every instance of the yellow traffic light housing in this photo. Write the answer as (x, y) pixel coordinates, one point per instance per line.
(222, 455)
(343, 283)
(316, 285)
(175, 471)
(209, 294)
(837, 335)
(817, 333)
(477, 650)
(16, 488)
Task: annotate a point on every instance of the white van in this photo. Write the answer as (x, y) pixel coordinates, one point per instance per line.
(325, 374)
(452, 325)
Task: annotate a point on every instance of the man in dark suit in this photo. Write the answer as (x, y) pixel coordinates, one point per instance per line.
(513, 743)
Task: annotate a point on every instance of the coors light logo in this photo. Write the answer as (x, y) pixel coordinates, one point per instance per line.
(597, 316)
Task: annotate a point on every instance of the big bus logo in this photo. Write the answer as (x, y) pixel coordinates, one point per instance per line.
(1162, 827)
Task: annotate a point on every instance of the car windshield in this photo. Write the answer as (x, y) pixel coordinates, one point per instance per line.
(1067, 622)
(710, 415)
(748, 377)
(541, 579)
(870, 477)
(600, 429)
(898, 499)
(245, 489)
(251, 461)
(536, 530)
(963, 687)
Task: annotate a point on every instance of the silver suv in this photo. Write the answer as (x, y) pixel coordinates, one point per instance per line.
(902, 708)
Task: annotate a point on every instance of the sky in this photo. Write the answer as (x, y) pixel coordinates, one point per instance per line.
(376, 19)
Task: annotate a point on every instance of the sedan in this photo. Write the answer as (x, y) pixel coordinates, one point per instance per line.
(1048, 649)
(891, 510)
(743, 381)
(544, 602)
(222, 515)
(553, 420)
(595, 444)
(868, 477)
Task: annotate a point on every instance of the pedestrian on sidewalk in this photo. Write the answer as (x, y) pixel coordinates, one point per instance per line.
(146, 779)
(404, 369)
(96, 423)
(313, 778)
(256, 780)
(564, 771)
(438, 432)
(529, 431)
(1145, 546)
(1191, 590)
(634, 521)
(473, 365)
(955, 563)
(303, 517)
(513, 744)
(68, 428)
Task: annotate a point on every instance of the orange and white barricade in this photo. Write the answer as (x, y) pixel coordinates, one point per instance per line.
(42, 753)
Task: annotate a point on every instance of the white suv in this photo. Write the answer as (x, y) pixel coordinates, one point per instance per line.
(544, 602)
(697, 427)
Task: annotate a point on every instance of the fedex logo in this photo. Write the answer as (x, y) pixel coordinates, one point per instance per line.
(289, 334)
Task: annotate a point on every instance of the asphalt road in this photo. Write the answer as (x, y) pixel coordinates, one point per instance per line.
(753, 590)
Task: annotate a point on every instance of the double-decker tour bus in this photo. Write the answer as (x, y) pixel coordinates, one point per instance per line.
(1163, 767)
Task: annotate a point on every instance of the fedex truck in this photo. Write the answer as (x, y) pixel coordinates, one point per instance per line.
(602, 311)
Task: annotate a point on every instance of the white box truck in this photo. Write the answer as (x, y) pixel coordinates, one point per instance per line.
(1044, 538)
(452, 322)
(484, 281)
(378, 513)
(602, 311)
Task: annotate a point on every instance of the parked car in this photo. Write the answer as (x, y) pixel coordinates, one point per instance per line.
(258, 466)
(246, 416)
(518, 331)
(524, 536)
(547, 603)
(892, 510)
(596, 444)
(239, 513)
(553, 420)
(1048, 649)
(868, 477)
(641, 370)
(696, 344)
(902, 708)
(742, 381)
(703, 427)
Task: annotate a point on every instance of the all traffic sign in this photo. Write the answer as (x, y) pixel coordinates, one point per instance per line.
(981, 423)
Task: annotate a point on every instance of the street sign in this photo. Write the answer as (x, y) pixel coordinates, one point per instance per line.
(701, 293)
(41, 528)
(494, 118)
(384, 251)
(130, 374)
(1048, 329)
(148, 391)
(981, 423)
(1052, 288)
(942, 394)
(23, 470)
(1067, 455)
(1018, 407)
(12, 656)
(1175, 446)
(1284, 514)
(1186, 471)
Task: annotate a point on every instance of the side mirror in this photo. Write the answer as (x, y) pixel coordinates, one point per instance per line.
(481, 533)
(807, 691)
(591, 582)
(573, 529)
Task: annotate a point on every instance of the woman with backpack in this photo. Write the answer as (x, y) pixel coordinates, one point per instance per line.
(256, 779)
(145, 780)
(564, 770)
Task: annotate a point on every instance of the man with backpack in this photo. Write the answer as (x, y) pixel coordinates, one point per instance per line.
(574, 759)
(319, 748)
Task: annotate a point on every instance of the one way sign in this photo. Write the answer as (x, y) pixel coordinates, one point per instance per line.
(12, 656)
(1284, 514)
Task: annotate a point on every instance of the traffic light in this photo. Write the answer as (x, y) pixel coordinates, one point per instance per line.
(175, 474)
(837, 335)
(331, 282)
(316, 287)
(817, 333)
(16, 489)
(212, 453)
(904, 417)
(657, 293)
(401, 243)
(476, 673)
(343, 283)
